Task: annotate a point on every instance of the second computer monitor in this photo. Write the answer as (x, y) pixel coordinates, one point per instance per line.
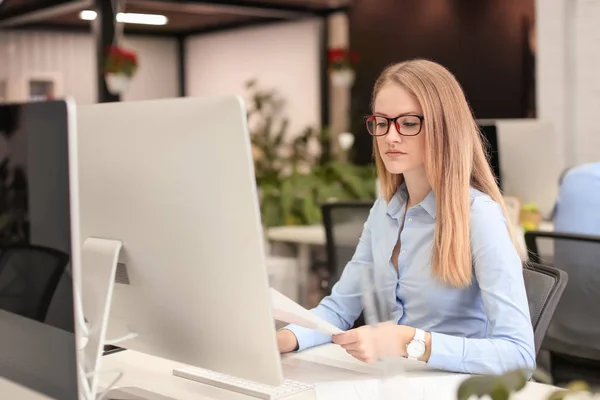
(39, 250)
(174, 181)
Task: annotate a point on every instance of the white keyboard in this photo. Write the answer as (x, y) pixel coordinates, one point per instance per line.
(243, 386)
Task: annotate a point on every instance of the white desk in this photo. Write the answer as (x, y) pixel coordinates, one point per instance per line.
(323, 364)
(313, 235)
(10, 390)
(303, 237)
(545, 248)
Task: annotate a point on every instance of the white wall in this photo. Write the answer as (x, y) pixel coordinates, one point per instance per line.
(158, 75)
(586, 79)
(284, 57)
(568, 82)
(71, 57)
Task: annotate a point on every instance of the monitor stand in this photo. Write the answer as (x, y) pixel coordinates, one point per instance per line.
(98, 271)
(99, 259)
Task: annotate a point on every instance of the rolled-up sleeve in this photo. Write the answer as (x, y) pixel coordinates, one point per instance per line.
(510, 341)
(344, 305)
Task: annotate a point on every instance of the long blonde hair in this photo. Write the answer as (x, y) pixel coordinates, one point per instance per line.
(455, 160)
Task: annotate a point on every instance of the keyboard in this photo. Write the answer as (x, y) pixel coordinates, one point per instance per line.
(247, 387)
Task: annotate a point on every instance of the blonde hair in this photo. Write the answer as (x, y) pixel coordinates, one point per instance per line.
(455, 160)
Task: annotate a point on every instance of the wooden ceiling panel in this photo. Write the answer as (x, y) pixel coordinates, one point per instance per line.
(9, 5)
(314, 4)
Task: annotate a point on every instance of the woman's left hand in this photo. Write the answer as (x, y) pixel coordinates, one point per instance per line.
(370, 343)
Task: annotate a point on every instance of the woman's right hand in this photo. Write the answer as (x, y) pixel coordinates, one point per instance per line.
(286, 341)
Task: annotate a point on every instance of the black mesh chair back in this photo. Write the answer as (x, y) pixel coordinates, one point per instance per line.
(545, 286)
(344, 223)
(29, 276)
(574, 332)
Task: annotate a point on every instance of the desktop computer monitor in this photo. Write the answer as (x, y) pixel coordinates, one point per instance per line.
(38, 248)
(489, 133)
(173, 181)
(526, 159)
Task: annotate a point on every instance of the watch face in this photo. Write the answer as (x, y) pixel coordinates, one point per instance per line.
(416, 348)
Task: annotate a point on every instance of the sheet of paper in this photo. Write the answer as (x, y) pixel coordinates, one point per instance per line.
(287, 310)
(371, 389)
(348, 390)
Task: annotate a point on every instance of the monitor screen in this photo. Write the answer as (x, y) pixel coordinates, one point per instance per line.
(490, 135)
(37, 346)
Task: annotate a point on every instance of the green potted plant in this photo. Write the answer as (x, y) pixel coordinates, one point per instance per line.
(295, 175)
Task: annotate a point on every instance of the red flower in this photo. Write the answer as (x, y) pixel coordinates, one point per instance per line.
(336, 55)
(340, 58)
(120, 61)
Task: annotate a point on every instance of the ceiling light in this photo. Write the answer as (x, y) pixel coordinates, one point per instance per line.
(88, 15)
(146, 19)
(129, 18)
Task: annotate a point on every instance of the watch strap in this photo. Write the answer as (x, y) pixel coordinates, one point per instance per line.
(419, 335)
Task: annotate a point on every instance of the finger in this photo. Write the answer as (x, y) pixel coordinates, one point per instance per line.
(356, 346)
(362, 356)
(358, 355)
(345, 338)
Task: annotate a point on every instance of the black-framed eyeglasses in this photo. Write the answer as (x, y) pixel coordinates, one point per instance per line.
(406, 124)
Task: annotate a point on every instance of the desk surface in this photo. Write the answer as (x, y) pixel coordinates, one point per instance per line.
(302, 234)
(327, 363)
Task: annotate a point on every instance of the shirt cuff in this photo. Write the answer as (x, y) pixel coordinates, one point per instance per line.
(446, 352)
(308, 338)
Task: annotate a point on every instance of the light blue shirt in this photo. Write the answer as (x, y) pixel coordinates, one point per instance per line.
(575, 327)
(484, 328)
(578, 202)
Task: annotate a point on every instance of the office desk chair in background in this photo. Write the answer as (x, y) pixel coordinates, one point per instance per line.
(545, 286)
(344, 223)
(29, 276)
(573, 337)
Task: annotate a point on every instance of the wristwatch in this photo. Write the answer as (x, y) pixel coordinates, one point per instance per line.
(416, 347)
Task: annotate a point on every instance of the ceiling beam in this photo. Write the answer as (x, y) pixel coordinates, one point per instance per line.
(40, 11)
(64, 28)
(259, 9)
(231, 26)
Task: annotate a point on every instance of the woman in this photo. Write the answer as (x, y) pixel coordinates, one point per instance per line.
(438, 236)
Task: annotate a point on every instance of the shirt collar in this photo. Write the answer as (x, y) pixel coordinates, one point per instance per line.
(400, 198)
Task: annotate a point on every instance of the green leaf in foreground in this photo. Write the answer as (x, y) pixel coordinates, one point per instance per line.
(498, 387)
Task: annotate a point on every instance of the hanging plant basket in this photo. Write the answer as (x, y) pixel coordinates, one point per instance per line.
(341, 64)
(342, 77)
(119, 68)
(117, 83)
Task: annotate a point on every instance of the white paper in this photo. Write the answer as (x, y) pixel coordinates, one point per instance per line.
(287, 310)
(371, 389)
(348, 390)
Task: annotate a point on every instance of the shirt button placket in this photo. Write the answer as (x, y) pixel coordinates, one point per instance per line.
(408, 220)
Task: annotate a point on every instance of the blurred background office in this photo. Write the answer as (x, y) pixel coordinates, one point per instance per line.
(306, 68)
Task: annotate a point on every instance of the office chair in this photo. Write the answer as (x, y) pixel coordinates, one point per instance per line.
(29, 276)
(573, 337)
(545, 286)
(344, 223)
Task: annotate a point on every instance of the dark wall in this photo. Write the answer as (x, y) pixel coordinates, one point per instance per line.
(483, 42)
